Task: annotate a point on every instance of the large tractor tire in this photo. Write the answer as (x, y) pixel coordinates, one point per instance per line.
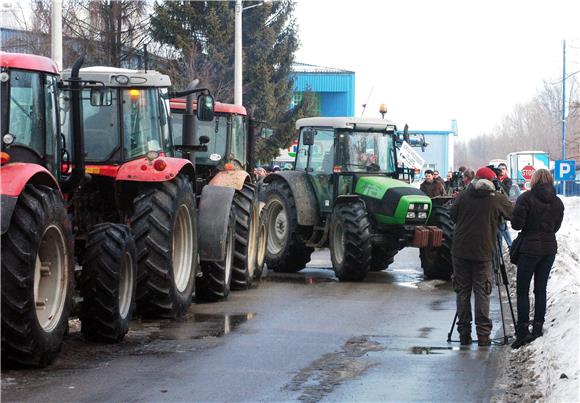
(164, 225)
(247, 215)
(286, 250)
(108, 282)
(437, 262)
(350, 241)
(37, 273)
(382, 258)
(215, 282)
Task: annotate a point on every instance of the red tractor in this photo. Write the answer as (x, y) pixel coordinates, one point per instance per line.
(225, 162)
(136, 181)
(37, 237)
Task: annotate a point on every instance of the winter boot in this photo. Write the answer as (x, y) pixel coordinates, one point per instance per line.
(523, 335)
(483, 341)
(465, 339)
(537, 329)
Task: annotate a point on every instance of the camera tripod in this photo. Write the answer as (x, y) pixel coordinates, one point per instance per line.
(500, 275)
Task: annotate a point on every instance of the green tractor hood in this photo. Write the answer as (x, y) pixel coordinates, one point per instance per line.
(392, 201)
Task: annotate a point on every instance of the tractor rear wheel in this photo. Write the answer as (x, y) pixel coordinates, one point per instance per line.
(437, 262)
(246, 211)
(382, 258)
(286, 250)
(261, 243)
(164, 225)
(108, 282)
(350, 241)
(37, 270)
(215, 282)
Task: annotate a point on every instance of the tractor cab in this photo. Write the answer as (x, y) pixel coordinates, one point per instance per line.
(226, 137)
(29, 124)
(337, 152)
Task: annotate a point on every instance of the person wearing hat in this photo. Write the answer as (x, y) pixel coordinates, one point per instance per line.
(477, 212)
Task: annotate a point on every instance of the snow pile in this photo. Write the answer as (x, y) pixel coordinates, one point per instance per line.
(555, 358)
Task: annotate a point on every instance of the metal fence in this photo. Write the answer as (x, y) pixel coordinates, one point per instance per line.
(567, 188)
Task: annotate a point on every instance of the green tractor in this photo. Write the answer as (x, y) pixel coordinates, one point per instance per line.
(349, 192)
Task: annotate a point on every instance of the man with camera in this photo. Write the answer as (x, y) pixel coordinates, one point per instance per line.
(477, 212)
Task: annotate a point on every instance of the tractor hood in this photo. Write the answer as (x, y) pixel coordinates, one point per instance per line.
(392, 201)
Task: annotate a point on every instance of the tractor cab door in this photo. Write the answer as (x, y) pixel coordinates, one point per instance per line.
(318, 160)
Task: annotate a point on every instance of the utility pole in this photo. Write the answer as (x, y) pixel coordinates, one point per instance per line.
(238, 54)
(564, 100)
(56, 33)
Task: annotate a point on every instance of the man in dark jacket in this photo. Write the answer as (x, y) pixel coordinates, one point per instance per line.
(476, 213)
(432, 187)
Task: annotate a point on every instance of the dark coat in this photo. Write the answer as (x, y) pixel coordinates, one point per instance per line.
(506, 184)
(433, 189)
(477, 212)
(539, 214)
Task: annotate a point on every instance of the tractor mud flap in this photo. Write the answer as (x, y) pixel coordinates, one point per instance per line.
(214, 221)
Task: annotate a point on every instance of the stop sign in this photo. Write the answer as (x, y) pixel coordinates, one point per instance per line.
(528, 172)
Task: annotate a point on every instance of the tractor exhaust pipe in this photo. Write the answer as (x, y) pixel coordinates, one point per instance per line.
(188, 136)
(77, 175)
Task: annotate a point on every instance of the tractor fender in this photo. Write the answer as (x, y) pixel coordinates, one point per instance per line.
(230, 179)
(13, 178)
(143, 170)
(342, 199)
(213, 220)
(303, 192)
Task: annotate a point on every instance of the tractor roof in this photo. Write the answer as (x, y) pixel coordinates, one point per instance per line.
(116, 77)
(345, 123)
(28, 62)
(220, 107)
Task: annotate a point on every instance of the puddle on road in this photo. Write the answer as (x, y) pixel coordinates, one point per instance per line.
(432, 350)
(305, 276)
(192, 327)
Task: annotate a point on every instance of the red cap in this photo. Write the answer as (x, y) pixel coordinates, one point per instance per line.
(485, 173)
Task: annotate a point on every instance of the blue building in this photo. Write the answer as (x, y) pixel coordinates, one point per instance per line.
(333, 88)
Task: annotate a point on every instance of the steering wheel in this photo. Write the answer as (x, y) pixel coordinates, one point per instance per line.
(373, 167)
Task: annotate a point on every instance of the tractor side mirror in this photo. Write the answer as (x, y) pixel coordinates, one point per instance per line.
(203, 139)
(101, 97)
(205, 108)
(308, 137)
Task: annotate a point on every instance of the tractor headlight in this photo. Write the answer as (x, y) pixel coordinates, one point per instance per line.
(422, 215)
(411, 214)
(411, 206)
(425, 206)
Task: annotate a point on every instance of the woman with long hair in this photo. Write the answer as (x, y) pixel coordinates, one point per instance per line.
(538, 214)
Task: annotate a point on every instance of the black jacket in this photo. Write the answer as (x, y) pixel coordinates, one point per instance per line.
(477, 213)
(539, 214)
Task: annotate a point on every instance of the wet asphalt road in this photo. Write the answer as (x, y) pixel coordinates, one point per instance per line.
(303, 337)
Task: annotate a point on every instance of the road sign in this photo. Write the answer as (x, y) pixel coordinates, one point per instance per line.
(528, 172)
(410, 157)
(565, 170)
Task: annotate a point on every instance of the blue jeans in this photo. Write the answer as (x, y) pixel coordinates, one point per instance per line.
(539, 267)
(505, 233)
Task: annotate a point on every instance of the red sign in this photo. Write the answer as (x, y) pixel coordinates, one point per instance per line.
(528, 172)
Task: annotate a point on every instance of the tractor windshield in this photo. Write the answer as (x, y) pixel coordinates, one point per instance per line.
(216, 130)
(144, 123)
(368, 152)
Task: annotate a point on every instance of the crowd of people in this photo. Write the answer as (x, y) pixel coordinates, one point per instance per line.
(480, 211)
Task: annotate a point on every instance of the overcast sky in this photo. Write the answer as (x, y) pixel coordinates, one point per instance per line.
(433, 61)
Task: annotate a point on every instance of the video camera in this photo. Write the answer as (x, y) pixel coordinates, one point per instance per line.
(456, 183)
(496, 182)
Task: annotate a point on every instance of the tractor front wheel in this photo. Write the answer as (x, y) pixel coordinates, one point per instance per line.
(215, 282)
(37, 267)
(247, 216)
(108, 282)
(350, 241)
